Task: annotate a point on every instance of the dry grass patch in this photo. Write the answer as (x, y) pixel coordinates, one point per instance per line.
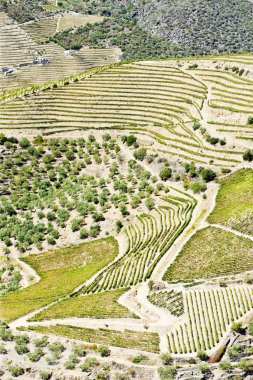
(74, 20)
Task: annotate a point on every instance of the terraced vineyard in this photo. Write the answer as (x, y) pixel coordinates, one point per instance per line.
(170, 300)
(41, 30)
(209, 313)
(154, 158)
(16, 44)
(21, 45)
(155, 99)
(148, 241)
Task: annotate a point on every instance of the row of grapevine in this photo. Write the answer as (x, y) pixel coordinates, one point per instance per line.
(171, 300)
(162, 102)
(149, 239)
(209, 314)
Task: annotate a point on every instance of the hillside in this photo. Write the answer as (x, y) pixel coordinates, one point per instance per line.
(126, 203)
(146, 29)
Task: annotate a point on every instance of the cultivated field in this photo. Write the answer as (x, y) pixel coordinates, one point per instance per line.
(211, 252)
(60, 271)
(237, 214)
(22, 44)
(165, 101)
(125, 205)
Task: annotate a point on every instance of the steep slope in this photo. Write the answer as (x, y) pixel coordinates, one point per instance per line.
(146, 29)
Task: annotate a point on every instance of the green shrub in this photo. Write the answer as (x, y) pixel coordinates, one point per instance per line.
(3, 349)
(236, 327)
(84, 234)
(167, 373)
(204, 368)
(44, 375)
(5, 333)
(250, 120)
(208, 175)
(89, 363)
(104, 351)
(56, 347)
(202, 355)
(24, 143)
(166, 359)
(69, 364)
(150, 204)
(248, 155)
(41, 342)
(165, 173)
(21, 348)
(35, 355)
(16, 371)
(139, 358)
(225, 365)
(78, 350)
(140, 154)
(246, 365)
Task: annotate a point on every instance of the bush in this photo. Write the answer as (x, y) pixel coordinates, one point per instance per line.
(225, 170)
(16, 371)
(129, 140)
(24, 143)
(202, 355)
(21, 348)
(165, 173)
(204, 368)
(208, 175)
(3, 350)
(248, 155)
(166, 359)
(89, 363)
(84, 234)
(35, 355)
(197, 187)
(213, 140)
(139, 358)
(69, 364)
(167, 373)
(140, 154)
(119, 225)
(41, 342)
(104, 351)
(5, 333)
(236, 327)
(250, 120)
(44, 375)
(225, 365)
(56, 347)
(246, 365)
(150, 204)
(78, 350)
(196, 125)
(234, 351)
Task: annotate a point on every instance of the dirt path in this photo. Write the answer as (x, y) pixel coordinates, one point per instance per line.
(228, 229)
(58, 23)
